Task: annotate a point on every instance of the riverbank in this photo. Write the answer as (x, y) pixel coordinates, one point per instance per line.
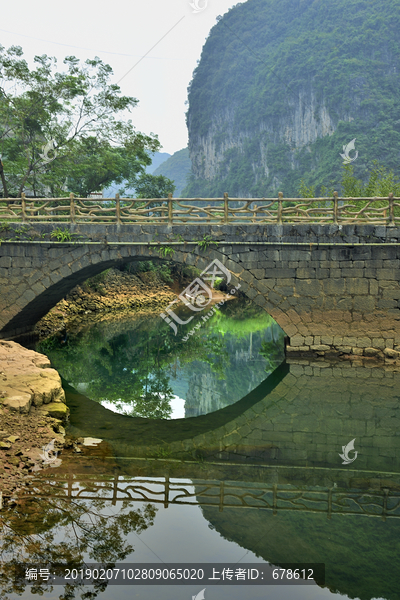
(114, 294)
(32, 415)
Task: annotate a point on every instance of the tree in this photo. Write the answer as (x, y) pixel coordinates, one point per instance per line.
(154, 186)
(59, 130)
(30, 534)
(381, 182)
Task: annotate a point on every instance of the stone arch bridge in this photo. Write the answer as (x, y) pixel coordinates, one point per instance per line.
(331, 288)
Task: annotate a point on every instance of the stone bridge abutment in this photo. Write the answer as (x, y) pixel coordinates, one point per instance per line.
(331, 288)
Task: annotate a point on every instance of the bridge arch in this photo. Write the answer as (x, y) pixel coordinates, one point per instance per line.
(331, 288)
(57, 269)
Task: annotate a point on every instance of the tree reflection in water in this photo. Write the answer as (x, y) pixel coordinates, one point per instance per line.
(30, 533)
(135, 361)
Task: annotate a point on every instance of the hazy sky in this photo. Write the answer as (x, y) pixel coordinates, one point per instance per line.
(121, 32)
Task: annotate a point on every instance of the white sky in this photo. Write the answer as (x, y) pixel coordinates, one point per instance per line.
(120, 32)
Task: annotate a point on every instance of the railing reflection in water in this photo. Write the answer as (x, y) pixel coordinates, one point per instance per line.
(383, 503)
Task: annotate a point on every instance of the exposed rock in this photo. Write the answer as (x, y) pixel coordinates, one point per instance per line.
(27, 378)
(58, 410)
(30, 393)
(19, 403)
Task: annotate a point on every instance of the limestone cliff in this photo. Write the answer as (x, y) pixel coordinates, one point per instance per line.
(281, 87)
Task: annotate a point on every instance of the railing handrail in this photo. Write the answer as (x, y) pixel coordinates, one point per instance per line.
(223, 210)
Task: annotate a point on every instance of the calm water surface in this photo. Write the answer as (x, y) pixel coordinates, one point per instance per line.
(216, 450)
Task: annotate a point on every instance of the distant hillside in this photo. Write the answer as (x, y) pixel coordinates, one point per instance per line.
(282, 86)
(177, 168)
(157, 159)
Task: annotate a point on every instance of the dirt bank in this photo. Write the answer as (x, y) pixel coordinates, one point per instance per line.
(113, 292)
(32, 414)
(113, 295)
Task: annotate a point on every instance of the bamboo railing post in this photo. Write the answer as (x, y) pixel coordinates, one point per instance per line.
(279, 215)
(72, 208)
(23, 205)
(118, 209)
(335, 207)
(391, 211)
(170, 216)
(226, 213)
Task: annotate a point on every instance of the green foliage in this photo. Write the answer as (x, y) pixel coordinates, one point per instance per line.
(62, 235)
(166, 251)
(45, 103)
(163, 270)
(380, 182)
(206, 242)
(19, 233)
(96, 283)
(267, 64)
(153, 186)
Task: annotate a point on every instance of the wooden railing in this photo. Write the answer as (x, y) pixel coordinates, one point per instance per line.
(338, 210)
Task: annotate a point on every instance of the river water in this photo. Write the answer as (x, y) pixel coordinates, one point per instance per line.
(216, 453)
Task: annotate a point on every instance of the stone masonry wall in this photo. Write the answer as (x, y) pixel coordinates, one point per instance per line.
(331, 288)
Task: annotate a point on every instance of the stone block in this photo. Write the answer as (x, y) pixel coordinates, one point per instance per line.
(349, 273)
(251, 293)
(364, 303)
(258, 273)
(246, 276)
(260, 300)
(378, 343)
(363, 342)
(390, 353)
(305, 273)
(357, 286)
(345, 304)
(5, 261)
(29, 295)
(334, 287)
(357, 351)
(297, 340)
(280, 273)
(371, 351)
(381, 303)
(320, 348)
(308, 287)
(388, 274)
